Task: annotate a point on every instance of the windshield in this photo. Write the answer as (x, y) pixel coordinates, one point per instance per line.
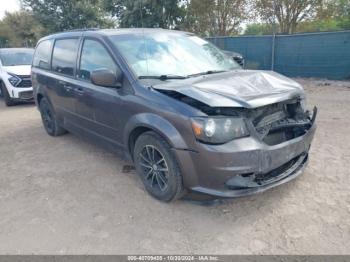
(16, 57)
(174, 54)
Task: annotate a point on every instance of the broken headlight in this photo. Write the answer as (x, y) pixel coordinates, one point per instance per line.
(218, 130)
(303, 103)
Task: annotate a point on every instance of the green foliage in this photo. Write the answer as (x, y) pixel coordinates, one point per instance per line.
(344, 23)
(258, 29)
(319, 26)
(19, 29)
(330, 24)
(145, 13)
(340, 13)
(61, 15)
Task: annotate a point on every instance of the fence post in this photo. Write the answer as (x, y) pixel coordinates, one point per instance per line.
(274, 37)
(273, 52)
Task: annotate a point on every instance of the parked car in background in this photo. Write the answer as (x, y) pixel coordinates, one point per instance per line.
(15, 79)
(235, 56)
(188, 117)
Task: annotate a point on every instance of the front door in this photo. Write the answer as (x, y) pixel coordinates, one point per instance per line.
(97, 107)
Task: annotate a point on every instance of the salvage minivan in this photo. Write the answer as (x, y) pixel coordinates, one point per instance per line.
(188, 116)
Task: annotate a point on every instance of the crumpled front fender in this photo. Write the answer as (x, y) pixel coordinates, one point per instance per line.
(159, 125)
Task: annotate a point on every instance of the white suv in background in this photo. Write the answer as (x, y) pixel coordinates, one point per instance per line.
(15, 79)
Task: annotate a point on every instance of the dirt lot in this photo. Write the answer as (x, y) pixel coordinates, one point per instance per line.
(66, 196)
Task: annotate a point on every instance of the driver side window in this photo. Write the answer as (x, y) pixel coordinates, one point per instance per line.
(94, 56)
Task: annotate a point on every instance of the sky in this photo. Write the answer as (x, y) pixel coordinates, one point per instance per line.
(8, 5)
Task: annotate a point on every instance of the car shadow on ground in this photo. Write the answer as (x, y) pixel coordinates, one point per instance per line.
(18, 104)
(121, 167)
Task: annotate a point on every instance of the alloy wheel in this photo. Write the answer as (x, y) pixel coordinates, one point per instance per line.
(154, 167)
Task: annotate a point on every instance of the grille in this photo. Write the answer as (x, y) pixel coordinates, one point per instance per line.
(265, 178)
(26, 95)
(25, 81)
(253, 180)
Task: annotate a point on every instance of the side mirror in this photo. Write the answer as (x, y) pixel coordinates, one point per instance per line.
(106, 77)
(238, 58)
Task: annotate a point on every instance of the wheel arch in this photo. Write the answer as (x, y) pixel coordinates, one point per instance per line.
(145, 122)
(3, 83)
(40, 95)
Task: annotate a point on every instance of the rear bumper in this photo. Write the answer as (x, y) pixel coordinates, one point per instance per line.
(233, 169)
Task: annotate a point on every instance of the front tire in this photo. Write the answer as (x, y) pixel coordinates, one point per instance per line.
(159, 171)
(49, 119)
(8, 100)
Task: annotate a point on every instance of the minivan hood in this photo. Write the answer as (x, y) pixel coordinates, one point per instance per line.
(239, 88)
(18, 70)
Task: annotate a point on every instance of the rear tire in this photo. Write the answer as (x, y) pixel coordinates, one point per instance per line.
(159, 171)
(8, 100)
(49, 119)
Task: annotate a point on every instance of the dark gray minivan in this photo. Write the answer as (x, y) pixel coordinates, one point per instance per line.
(187, 115)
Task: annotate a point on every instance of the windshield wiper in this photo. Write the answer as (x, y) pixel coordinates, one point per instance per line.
(209, 72)
(163, 77)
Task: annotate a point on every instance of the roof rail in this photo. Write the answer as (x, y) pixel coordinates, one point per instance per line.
(82, 29)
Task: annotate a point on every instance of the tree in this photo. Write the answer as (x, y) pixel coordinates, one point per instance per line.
(215, 17)
(331, 15)
(199, 17)
(61, 15)
(145, 13)
(229, 15)
(337, 11)
(288, 13)
(20, 29)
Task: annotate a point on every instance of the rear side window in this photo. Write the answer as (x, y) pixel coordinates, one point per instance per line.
(43, 54)
(64, 56)
(94, 56)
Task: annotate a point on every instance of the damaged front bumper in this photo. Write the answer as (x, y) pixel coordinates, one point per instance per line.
(253, 187)
(244, 166)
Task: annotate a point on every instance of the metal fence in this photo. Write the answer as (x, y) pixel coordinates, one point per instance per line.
(322, 55)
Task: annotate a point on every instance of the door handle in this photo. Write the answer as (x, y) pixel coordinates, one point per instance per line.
(68, 88)
(79, 91)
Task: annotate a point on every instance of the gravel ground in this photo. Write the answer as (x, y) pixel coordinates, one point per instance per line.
(66, 196)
